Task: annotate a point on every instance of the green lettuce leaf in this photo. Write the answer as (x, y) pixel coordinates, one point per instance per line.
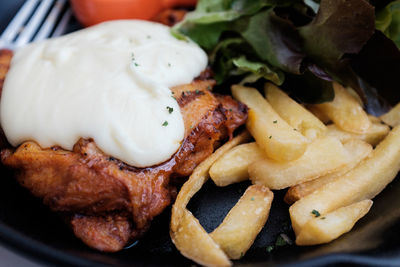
(310, 42)
(340, 27)
(274, 39)
(258, 70)
(388, 21)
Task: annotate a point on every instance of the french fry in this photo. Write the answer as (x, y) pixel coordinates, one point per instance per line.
(232, 166)
(324, 155)
(365, 181)
(392, 117)
(374, 135)
(244, 221)
(327, 227)
(345, 111)
(374, 119)
(293, 113)
(358, 149)
(318, 113)
(186, 232)
(277, 138)
(194, 242)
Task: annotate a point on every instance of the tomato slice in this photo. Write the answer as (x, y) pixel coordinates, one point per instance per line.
(90, 12)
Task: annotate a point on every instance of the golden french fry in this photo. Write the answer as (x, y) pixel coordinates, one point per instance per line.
(272, 133)
(324, 155)
(327, 227)
(392, 117)
(365, 181)
(318, 113)
(374, 135)
(232, 166)
(358, 150)
(345, 111)
(185, 231)
(244, 221)
(293, 113)
(194, 242)
(374, 119)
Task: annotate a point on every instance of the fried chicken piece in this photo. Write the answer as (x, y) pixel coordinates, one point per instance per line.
(104, 233)
(110, 202)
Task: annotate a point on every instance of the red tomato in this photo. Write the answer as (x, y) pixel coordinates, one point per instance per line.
(90, 12)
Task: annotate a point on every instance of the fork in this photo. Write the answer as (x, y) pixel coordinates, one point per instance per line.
(36, 20)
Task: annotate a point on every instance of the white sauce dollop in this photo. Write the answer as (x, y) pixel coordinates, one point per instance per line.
(109, 82)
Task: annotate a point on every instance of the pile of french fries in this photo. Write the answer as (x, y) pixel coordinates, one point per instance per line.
(333, 158)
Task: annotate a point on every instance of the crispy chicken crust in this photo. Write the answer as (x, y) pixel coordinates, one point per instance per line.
(107, 202)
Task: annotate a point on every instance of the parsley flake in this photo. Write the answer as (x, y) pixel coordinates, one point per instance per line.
(252, 199)
(170, 110)
(270, 137)
(197, 92)
(165, 123)
(269, 248)
(316, 213)
(280, 242)
(275, 121)
(169, 64)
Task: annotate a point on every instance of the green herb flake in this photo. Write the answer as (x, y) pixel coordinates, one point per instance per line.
(270, 137)
(169, 64)
(173, 97)
(197, 92)
(323, 218)
(165, 123)
(316, 213)
(252, 199)
(269, 248)
(136, 64)
(280, 242)
(170, 110)
(275, 121)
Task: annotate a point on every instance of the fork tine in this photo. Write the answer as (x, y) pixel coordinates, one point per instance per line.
(34, 23)
(50, 21)
(62, 25)
(18, 21)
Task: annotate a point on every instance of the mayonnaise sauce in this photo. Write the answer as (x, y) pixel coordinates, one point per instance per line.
(109, 82)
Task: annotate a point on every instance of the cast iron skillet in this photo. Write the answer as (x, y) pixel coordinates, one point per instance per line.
(29, 227)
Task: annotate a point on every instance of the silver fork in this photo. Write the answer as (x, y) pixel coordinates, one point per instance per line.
(35, 21)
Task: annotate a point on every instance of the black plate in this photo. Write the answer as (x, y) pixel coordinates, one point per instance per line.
(30, 228)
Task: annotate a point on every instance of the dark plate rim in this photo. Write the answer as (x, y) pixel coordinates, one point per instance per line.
(45, 254)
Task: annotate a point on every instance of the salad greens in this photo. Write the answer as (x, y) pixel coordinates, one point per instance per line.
(298, 44)
(388, 21)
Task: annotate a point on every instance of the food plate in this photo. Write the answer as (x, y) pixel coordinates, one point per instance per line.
(29, 227)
